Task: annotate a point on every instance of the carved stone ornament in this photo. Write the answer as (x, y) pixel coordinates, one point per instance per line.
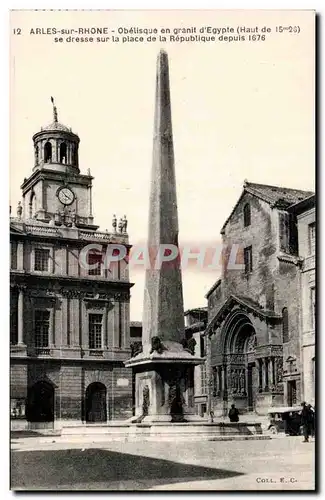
(136, 348)
(189, 345)
(251, 344)
(146, 400)
(157, 345)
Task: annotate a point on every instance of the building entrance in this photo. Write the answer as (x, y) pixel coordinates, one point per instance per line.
(96, 403)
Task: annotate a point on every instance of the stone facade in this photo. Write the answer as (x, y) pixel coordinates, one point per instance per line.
(195, 325)
(253, 339)
(70, 332)
(306, 218)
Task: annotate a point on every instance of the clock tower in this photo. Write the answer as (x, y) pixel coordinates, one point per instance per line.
(56, 192)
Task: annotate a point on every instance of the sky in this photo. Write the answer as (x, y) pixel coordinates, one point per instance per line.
(240, 111)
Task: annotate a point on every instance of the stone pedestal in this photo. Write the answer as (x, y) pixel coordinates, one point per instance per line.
(165, 393)
(164, 384)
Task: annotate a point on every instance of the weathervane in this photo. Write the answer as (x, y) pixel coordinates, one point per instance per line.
(55, 111)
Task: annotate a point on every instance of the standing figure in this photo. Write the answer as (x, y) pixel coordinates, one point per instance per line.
(312, 420)
(125, 224)
(114, 223)
(19, 210)
(233, 414)
(305, 421)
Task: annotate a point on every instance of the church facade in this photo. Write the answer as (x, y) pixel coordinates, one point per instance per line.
(254, 309)
(69, 317)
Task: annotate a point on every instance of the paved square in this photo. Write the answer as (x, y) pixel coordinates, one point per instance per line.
(277, 464)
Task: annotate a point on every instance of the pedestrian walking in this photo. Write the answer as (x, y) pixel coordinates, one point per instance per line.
(233, 414)
(305, 421)
(312, 420)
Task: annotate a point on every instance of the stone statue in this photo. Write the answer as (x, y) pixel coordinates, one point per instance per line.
(251, 344)
(74, 217)
(233, 379)
(57, 217)
(189, 345)
(19, 210)
(114, 223)
(242, 381)
(121, 225)
(125, 224)
(136, 348)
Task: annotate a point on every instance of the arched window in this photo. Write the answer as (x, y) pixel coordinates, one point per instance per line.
(285, 325)
(247, 215)
(32, 205)
(48, 152)
(63, 152)
(74, 154)
(36, 155)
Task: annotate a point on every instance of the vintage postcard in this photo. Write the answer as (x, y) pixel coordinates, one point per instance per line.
(162, 250)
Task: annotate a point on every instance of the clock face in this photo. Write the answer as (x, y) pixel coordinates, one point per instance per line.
(66, 196)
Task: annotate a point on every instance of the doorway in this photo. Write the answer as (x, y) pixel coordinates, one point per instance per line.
(292, 393)
(96, 403)
(40, 402)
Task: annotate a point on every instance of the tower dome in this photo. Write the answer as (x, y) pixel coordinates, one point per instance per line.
(56, 147)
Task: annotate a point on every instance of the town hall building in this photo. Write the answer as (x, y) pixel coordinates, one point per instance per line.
(69, 331)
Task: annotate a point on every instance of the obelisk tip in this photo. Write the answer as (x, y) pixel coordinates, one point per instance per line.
(162, 59)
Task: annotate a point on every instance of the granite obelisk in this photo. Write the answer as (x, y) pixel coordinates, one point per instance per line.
(164, 367)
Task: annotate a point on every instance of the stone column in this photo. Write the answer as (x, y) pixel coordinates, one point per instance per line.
(90, 207)
(266, 365)
(224, 379)
(271, 371)
(105, 340)
(209, 378)
(263, 374)
(52, 339)
(20, 316)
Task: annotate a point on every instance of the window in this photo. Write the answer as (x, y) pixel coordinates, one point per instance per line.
(204, 382)
(247, 215)
(285, 325)
(13, 318)
(41, 259)
(48, 152)
(63, 153)
(248, 260)
(13, 255)
(313, 307)
(95, 259)
(312, 237)
(202, 347)
(95, 331)
(42, 326)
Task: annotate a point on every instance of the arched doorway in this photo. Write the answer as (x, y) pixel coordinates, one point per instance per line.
(40, 402)
(96, 403)
(239, 354)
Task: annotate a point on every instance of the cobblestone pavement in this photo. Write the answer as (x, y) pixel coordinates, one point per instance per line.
(277, 464)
